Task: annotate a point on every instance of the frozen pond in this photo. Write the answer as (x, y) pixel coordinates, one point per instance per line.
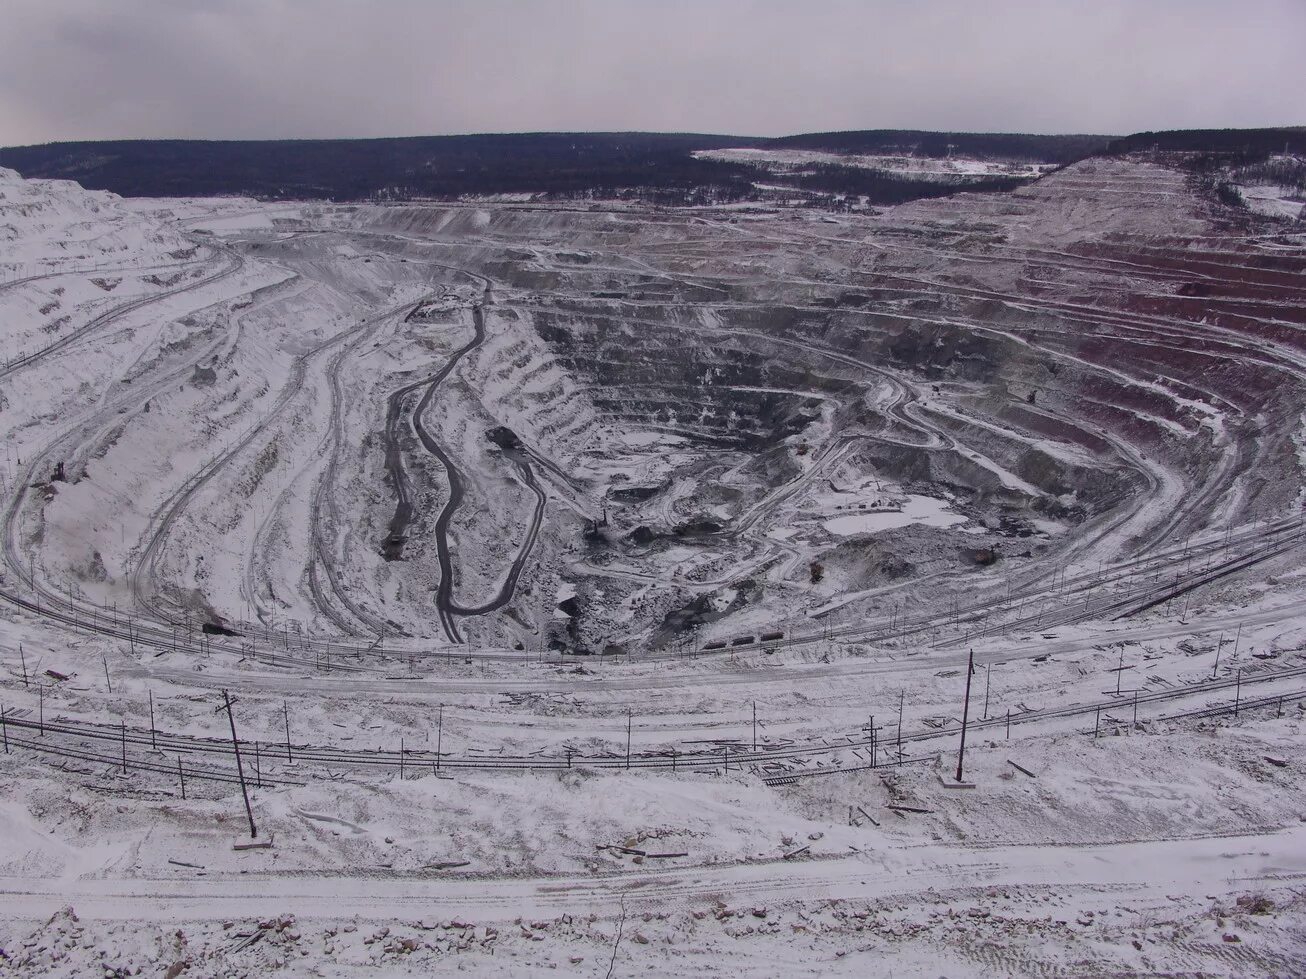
(915, 509)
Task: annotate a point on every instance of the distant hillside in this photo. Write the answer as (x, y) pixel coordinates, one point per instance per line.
(356, 169)
(660, 167)
(656, 166)
(1243, 142)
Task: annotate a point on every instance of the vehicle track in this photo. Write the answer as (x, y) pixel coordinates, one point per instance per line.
(324, 504)
(109, 407)
(1195, 866)
(234, 263)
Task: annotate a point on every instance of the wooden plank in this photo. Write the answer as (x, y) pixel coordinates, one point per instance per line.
(246, 940)
(1021, 768)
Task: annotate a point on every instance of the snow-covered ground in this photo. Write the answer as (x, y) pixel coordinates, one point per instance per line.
(595, 588)
(952, 168)
(1273, 201)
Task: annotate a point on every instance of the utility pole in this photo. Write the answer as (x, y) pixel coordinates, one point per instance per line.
(628, 739)
(285, 713)
(965, 714)
(754, 726)
(240, 771)
(902, 695)
(439, 736)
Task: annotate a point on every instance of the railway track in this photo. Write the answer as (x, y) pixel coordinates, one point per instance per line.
(62, 738)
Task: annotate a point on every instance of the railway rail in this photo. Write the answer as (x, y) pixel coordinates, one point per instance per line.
(141, 749)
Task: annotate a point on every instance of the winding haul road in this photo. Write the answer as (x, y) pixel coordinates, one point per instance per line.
(121, 401)
(447, 605)
(232, 263)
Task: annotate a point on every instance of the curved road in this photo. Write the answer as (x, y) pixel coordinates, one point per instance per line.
(447, 605)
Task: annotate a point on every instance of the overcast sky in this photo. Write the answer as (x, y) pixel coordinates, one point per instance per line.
(228, 69)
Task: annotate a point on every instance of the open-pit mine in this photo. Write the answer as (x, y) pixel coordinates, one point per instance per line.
(515, 575)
